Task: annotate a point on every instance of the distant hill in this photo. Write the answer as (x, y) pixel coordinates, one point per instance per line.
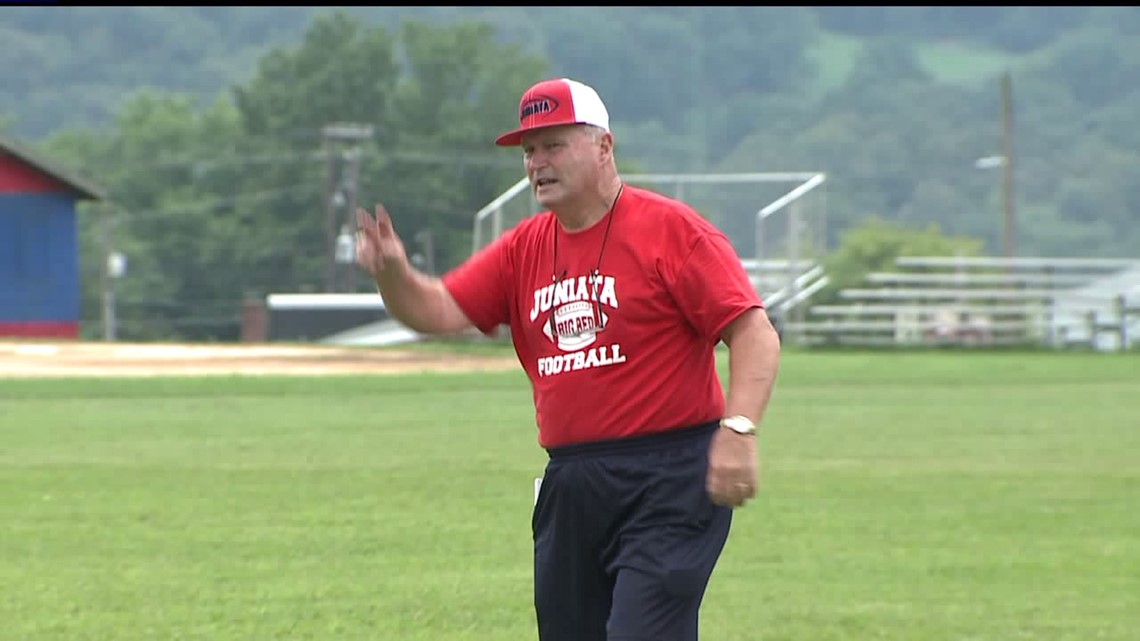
(74, 66)
(895, 102)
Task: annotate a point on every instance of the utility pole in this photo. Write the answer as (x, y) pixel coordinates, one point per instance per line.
(113, 267)
(424, 236)
(351, 187)
(1009, 236)
(331, 134)
(330, 210)
(105, 280)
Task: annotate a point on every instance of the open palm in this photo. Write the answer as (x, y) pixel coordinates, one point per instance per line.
(378, 247)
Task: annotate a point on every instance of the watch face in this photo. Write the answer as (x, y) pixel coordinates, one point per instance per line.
(739, 426)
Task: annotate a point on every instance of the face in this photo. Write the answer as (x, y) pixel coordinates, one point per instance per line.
(563, 163)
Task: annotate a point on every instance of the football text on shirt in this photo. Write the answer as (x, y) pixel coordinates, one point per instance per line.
(577, 314)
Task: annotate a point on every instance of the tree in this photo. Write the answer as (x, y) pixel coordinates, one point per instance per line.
(461, 89)
(876, 243)
(219, 203)
(156, 169)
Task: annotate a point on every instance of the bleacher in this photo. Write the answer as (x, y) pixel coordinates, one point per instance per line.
(785, 285)
(984, 301)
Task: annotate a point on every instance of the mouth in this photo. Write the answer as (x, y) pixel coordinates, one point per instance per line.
(543, 182)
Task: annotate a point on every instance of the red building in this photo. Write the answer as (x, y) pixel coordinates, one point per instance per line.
(39, 252)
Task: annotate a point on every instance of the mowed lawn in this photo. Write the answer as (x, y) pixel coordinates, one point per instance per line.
(916, 497)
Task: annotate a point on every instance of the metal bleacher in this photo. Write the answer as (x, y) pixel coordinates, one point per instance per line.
(782, 216)
(938, 300)
(785, 285)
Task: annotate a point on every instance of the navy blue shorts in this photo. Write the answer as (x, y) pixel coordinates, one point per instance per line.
(625, 538)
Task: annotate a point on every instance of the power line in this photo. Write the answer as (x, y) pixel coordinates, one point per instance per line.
(132, 212)
(490, 159)
(495, 159)
(209, 163)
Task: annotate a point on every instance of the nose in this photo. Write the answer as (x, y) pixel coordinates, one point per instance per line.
(533, 163)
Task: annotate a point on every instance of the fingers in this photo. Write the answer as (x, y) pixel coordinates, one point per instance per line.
(364, 224)
(732, 473)
(384, 221)
(363, 249)
(377, 242)
(367, 240)
(379, 227)
(749, 489)
(730, 490)
(363, 219)
(729, 501)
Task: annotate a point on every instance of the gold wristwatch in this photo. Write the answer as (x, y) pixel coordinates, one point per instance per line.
(739, 424)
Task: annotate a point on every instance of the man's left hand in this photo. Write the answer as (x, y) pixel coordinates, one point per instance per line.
(733, 468)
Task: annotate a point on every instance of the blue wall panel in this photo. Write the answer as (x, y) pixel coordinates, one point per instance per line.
(39, 258)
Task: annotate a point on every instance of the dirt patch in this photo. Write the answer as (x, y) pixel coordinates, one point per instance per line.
(62, 359)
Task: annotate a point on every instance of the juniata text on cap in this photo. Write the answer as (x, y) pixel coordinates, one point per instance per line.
(558, 101)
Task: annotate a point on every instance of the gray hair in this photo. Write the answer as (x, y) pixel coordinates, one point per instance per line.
(594, 132)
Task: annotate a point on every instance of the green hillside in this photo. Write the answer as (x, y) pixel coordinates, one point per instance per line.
(951, 62)
(205, 122)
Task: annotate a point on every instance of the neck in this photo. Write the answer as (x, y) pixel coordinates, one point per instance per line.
(592, 208)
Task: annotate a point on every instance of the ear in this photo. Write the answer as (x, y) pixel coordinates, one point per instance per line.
(606, 144)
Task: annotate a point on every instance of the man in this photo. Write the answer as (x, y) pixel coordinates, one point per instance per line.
(616, 298)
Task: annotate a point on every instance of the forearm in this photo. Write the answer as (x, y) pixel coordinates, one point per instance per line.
(753, 361)
(417, 300)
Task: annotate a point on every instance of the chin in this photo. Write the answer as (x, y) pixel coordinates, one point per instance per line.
(547, 198)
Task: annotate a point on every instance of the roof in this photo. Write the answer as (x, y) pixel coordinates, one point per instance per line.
(82, 188)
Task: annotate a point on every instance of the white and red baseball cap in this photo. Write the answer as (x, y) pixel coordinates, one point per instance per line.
(558, 101)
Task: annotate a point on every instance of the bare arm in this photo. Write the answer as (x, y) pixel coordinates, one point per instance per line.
(753, 361)
(415, 299)
(419, 301)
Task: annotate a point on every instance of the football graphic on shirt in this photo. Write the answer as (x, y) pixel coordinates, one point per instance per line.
(574, 325)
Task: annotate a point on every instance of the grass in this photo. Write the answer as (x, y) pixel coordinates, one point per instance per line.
(499, 346)
(915, 496)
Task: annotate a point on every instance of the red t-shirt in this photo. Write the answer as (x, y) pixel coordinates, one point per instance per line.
(670, 283)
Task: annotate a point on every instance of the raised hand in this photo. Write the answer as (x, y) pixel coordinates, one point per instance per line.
(378, 247)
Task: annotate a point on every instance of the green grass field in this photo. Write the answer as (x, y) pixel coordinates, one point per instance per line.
(916, 497)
